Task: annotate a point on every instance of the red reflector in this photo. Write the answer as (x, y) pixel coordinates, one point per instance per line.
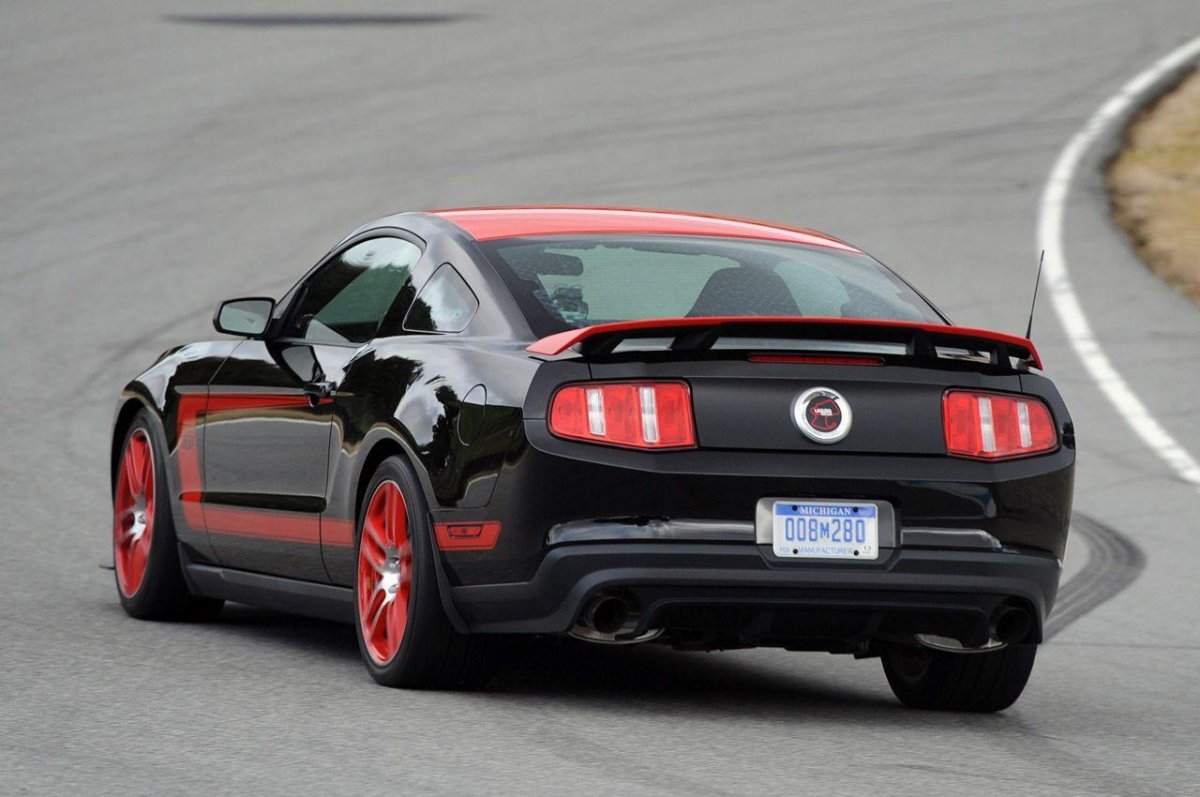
(631, 414)
(996, 425)
(480, 536)
(814, 359)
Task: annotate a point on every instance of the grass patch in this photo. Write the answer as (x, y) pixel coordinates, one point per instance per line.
(1154, 184)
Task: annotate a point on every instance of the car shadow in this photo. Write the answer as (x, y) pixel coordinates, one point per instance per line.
(656, 675)
(328, 639)
(633, 678)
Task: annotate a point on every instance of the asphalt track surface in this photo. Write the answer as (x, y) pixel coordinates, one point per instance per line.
(157, 158)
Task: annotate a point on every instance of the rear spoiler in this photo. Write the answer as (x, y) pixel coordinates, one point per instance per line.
(700, 333)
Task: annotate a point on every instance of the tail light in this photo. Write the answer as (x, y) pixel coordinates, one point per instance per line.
(632, 414)
(996, 425)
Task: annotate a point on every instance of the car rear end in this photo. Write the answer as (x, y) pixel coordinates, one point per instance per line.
(758, 479)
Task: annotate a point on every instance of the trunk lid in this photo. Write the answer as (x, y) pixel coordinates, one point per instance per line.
(883, 381)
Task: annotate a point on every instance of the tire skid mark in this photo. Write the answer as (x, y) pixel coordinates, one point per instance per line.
(1114, 562)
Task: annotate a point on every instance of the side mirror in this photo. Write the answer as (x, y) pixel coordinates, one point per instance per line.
(245, 317)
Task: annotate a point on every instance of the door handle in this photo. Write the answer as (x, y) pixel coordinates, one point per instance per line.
(319, 391)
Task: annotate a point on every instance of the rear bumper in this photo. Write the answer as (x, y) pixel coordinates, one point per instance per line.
(555, 484)
(741, 594)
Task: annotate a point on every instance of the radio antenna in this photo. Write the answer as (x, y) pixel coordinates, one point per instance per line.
(1037, 280)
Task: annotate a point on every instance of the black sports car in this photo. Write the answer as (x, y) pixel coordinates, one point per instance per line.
(623, 425)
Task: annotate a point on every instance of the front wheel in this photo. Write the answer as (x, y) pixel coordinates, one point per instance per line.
(404, 635)
(149, 576)
(934, 679)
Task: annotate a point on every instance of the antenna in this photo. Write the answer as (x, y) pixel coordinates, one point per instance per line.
(1033, 304)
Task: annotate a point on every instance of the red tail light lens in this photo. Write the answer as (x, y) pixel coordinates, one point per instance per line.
(631, 414)
(996, 425)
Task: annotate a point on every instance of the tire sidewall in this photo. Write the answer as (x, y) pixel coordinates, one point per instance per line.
(994, 680)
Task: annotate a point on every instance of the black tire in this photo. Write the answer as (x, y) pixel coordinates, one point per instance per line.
(431, 654)
(941, 681)
(162, 593)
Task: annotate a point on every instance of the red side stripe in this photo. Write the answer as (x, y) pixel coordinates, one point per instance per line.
(337, 532)
(191, 406)
(229, 402)
(283, 526)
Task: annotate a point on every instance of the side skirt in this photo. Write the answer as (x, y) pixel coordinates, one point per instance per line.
(323, 601)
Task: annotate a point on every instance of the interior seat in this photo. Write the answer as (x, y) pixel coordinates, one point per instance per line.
(744, 291)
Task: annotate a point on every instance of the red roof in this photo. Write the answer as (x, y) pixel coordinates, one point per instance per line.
(486, 224)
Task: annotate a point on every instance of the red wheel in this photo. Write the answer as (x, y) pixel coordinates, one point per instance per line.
(403, 632)
(385, 565)
(149, 576)
(133, 513)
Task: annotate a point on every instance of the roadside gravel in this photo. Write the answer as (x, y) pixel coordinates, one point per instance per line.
(1155, 186)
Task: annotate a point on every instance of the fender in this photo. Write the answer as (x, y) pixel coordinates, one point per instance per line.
(179, 371)
(418, 391)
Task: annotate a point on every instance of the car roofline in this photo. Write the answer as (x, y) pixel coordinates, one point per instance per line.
(520, 221)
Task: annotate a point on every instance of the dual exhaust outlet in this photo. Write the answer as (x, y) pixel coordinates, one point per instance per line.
(611, 619)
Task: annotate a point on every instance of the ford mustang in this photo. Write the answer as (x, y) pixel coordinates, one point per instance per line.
(627, 426)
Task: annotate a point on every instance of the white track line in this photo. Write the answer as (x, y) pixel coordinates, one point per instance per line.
(1058, 280)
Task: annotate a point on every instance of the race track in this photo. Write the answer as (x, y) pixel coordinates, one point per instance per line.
(155, 158)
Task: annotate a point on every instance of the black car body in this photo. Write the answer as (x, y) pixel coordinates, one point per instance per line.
(270, 442)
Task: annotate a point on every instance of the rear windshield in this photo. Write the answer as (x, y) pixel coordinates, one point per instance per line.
(562, 282)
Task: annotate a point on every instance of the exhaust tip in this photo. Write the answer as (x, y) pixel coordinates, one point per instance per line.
(611, 619)
(606, 614)
(1011, 624)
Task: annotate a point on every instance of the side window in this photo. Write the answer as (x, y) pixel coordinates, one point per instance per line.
(346, 301)
(445, 304)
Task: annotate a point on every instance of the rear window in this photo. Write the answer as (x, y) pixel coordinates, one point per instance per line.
(562, 282)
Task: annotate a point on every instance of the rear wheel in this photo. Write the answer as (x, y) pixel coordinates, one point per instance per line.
(149, 576)
(934, 679)
(404, 636)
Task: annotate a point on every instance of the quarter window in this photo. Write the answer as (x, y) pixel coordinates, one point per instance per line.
(346, 301)
(445, 304)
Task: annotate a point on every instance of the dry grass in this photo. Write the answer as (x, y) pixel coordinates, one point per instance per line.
(1155, 186)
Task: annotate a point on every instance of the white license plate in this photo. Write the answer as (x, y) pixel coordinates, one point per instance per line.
(825, 530)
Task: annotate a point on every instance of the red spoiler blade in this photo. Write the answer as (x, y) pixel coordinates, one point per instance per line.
(553, 345)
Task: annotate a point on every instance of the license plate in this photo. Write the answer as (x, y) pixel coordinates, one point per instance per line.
(825, 530)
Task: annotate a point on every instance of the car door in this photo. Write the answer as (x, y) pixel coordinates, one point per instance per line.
(270, 410)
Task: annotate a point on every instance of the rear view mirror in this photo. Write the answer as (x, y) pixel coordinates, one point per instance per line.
(245, 317)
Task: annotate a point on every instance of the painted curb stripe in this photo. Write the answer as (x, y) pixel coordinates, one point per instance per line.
(1066, 302)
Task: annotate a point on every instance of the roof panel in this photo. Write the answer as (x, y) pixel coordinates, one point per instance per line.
(486, 224)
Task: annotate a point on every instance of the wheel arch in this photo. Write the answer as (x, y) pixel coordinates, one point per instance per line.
(130, 404)
(383, 449)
